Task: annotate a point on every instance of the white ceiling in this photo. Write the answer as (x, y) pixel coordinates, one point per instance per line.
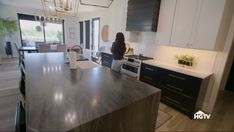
(36, 4)
(31, 4)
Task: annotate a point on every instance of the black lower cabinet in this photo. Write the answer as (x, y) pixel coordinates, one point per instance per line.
(149, 74)
(179, 91)
(106, 59)
(179, 101)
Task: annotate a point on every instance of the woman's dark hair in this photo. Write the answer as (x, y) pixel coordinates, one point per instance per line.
(120, 37)
(118, 48)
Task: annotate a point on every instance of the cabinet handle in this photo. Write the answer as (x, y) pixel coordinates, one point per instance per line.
(172, 100)
(105, 62)
(106, 56)
(189, 44)
(150, 69)
(147, 77)
(176, 88)
(177, 77)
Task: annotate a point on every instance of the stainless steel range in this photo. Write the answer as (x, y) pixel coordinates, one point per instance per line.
(132, 65)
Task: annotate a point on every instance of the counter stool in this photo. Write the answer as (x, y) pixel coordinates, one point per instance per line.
(20, 121)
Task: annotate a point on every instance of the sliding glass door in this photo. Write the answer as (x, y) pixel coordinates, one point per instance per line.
(95, 33)
(54, 33)
(87, 34)
(95, 38)
(34, 32)
(31, 32)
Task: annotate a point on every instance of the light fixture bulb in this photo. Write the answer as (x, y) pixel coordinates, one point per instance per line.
(65, 5)
(52, 11)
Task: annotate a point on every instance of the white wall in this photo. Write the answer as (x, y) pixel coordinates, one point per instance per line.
(11, 12)
(226, 37)
(144, 42)
(71, 23)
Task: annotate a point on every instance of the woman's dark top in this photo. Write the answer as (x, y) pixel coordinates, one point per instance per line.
(118, 50)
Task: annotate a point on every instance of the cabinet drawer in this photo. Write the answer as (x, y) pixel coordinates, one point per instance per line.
(148, 69)
(148, 79)
(178, 82)
(106, 56)
(178, 101)
(149, 74)
(106, 63)
(106, 59)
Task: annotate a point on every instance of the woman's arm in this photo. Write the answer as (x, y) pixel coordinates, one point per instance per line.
(113, 48)
(123, 49)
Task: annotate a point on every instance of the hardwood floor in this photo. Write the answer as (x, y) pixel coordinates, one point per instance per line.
(221, 119)
(9, 93)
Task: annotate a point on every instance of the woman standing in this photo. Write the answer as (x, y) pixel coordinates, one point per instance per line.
(118, 49)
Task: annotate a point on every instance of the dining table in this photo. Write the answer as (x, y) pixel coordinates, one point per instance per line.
(94, 99)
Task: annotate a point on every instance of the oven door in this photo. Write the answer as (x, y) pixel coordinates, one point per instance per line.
(129, 69)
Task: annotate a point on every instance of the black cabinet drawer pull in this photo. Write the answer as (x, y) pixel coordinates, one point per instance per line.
(150, 69)
(106, 56)
(147, 77)
(176, 88)
(172, 100)
(177, 77)
(105, 62)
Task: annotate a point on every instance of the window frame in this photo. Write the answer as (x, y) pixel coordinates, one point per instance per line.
(32, 18)
(92, 34)
(81, 29)
(87, 34)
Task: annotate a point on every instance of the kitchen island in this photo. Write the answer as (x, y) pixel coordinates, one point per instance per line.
(96, 99)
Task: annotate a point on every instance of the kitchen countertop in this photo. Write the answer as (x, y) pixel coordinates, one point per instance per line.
(183, 70)
(60, 99)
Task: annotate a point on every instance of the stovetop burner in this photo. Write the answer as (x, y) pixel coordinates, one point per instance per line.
(139, 57)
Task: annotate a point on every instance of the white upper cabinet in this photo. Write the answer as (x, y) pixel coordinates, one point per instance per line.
(190, 23)
(185, 16)
(165, 22)
(208, 24)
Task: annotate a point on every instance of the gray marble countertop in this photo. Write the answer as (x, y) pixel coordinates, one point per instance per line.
(60, 99)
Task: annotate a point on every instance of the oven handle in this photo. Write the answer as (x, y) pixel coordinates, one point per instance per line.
(128, 64)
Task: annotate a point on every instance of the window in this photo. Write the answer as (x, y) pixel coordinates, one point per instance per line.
(31, 32)
(87, 34)
(95, 38)
(95, 33)
(90, 30)
(34, 32)
(81, 33)
(54, 33)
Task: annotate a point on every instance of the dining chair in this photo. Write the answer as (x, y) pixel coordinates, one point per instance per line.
(22, 86)
(39, 43)
(53, 47)
(22, 63)
(43, 48)
(77, 48)
(8, 49)
(98, 54)
(20, 119)
(61, 48)
(22, 70)
(21, 56)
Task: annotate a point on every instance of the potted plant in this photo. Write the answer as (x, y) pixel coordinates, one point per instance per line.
(7, 28)
(185, 60)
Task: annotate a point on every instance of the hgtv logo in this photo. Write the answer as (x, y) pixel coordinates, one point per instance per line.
(201, 115)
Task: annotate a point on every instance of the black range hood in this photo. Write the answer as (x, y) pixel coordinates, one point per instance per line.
(143, 15)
